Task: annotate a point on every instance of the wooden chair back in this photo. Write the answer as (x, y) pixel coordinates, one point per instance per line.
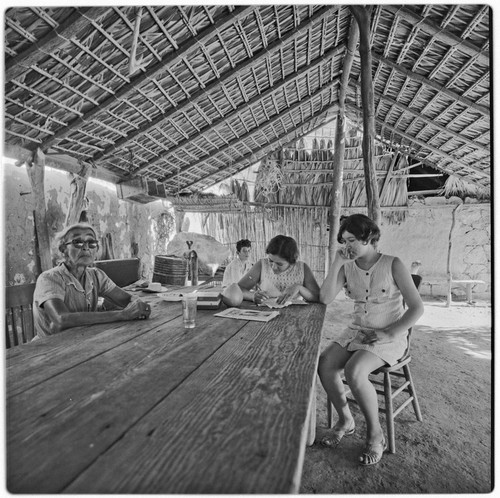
(123, 272)
(19, 326)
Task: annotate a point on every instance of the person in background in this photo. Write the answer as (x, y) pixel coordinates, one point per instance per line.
(67, 295)
(281, 275)
(378, 334)
(239, 265)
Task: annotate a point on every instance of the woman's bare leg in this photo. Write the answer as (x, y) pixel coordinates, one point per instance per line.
(331, 366)
(357, 369)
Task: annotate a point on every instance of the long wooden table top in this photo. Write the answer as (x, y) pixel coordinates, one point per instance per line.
(150, 407)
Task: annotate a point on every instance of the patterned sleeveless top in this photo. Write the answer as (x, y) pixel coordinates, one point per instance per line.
(275, 283)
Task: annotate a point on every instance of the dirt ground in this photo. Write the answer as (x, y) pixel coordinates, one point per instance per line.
(451, 450)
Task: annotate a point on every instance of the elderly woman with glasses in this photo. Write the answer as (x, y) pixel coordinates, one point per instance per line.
(67, 295)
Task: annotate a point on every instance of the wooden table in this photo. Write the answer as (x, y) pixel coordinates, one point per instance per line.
(150, 407)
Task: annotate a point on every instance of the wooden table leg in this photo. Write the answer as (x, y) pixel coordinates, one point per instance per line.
(311, 419)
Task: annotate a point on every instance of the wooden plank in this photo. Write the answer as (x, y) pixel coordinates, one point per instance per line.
(55, 355)
(78, 413)
(236, 425)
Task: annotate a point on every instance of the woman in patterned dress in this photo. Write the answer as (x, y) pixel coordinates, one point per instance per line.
(280, 275)
(377, 336)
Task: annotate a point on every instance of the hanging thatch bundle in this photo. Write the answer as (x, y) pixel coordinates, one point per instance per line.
(455, 186)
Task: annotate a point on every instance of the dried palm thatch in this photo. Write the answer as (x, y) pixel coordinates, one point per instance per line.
(187, 96)
(206, 203)
(300, 177)
(461, 188)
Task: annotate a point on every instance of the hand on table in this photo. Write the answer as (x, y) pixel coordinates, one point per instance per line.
(138, 310)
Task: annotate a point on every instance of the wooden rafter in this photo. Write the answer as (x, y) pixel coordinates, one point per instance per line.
(126, 90)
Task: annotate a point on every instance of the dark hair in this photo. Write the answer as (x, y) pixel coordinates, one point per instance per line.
(243, 243)
(362, 227)
(284, 247)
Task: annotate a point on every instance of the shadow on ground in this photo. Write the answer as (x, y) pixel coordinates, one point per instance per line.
(451, 450)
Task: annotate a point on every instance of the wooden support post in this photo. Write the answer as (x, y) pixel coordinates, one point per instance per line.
(179, 219)
(78, 186)
(448, 263)
(336, 205)
(338, 158)
(36, 174)
(362, 15)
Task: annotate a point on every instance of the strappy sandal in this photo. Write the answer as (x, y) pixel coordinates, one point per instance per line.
(334, 439)
(372, 454)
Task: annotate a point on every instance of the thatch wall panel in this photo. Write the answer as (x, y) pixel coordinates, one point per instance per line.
(307, 226)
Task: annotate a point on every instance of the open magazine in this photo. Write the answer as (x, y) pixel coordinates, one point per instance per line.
(241, 314)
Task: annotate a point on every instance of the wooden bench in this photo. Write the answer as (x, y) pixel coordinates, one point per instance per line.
(465, 283)
(468, 284)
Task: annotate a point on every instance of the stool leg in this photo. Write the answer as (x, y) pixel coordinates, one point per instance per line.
(469, 293)
(389, 413)
(413, 393)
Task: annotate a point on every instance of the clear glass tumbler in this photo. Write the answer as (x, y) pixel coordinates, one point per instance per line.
(189, 303)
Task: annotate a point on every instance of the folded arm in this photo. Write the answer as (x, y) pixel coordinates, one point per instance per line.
(62, 318)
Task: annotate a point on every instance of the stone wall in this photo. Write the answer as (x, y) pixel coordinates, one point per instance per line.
(126, 223)
(424, 236)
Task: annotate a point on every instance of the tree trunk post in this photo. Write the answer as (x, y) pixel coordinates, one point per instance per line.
(36, 174)
(338, 157)
(362, 16)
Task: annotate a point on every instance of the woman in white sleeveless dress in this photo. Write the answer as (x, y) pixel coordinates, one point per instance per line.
(280, 275)
(377, 336)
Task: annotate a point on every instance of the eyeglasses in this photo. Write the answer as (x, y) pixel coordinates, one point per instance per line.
(79, 243)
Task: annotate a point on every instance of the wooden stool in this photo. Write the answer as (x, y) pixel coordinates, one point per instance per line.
(404, 385)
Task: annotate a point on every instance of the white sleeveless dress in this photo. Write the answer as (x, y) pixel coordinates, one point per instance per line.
(377, 304)
(275, 283)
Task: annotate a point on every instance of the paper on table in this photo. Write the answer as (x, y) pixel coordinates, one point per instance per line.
(271, 302)
(244, 314)
(171, 296)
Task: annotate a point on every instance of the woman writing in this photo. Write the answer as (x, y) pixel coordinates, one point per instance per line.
(67, 295)
(377, 336)
(280, 275)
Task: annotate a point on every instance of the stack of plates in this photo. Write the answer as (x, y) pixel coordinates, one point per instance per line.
(170, 270)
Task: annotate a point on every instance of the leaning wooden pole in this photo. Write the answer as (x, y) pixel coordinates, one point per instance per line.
(449, 274)
(362, 16)
(78, 187)
(338, 157)
(36, 174)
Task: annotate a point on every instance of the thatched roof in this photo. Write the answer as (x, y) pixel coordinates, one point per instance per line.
(186, 96)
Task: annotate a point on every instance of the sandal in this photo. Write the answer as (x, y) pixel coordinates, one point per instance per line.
(334, 439)
(372, 453)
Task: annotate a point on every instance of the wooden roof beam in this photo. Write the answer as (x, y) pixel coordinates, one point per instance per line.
(428, 121)
(422, 79)
(152, 71)
(81, 18)
(264, 150)
(439, 33)
(271, 122)
(217, 84)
